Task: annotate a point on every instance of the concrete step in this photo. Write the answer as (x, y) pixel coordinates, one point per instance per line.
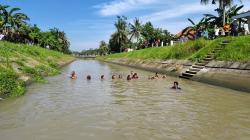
(184, 77)
(194, 69)
(203, 61)
(208, 59)
(200, 64)
(188, 74)
(191, 72)
(197, 67)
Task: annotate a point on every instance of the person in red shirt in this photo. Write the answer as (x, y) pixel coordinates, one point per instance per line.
(226, 29)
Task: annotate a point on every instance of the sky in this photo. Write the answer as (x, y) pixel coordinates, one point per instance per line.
(87, 22)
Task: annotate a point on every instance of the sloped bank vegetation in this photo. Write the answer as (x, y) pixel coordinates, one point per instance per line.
(237, 50)
(20, 64)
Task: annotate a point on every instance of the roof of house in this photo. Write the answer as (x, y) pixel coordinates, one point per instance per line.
(242, 15)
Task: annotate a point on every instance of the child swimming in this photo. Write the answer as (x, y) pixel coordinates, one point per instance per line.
(73, 75)
(176, 86)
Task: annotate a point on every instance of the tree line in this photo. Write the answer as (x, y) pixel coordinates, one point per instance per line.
(15, 28)
(131, 36)
(139, 36)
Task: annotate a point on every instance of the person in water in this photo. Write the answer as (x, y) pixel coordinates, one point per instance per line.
(120, 76)
(156, 75)
(73, 75)
(175, 86)
(102, 77)
(128, 77)
(131, 73)
(151, 77)
(88, 77)
(135, 76)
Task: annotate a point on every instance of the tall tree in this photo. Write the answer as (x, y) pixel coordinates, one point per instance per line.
(119, 38)
(217, 20)
(135, 30)
(3, 15)
(103, 48)
(222, 5)
(61, 40)
(148, 31)
(16, 19)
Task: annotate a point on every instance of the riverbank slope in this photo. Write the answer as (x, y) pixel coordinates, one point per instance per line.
(22, 64)
(229, 67)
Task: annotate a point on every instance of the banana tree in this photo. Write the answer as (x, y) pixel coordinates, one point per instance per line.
(222, 6)
(15, 20)
(217, 20)
(3, 15)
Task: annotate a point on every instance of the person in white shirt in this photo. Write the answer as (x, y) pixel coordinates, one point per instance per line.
(1, 36)
(246, 29)
(222, 32)
(216, 31)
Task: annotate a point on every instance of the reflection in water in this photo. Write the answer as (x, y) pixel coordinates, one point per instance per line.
(118, 109)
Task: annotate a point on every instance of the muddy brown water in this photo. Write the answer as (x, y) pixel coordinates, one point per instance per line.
(140, 109)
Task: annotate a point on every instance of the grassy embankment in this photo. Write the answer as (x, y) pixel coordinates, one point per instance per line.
(237, 50)
(19, 62)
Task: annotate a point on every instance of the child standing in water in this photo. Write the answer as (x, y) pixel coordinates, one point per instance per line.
(129, 78)
(73, 75)
(176, 86)
(102, 77)
(88, 77)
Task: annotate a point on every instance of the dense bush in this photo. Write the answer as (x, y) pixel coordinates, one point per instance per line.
(10, 85)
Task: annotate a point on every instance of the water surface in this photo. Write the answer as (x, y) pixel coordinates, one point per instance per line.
(142, 109)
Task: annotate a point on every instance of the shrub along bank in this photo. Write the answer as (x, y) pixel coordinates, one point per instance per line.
(19, 63)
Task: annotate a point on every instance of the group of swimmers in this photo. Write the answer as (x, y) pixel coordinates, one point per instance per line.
(131, 76)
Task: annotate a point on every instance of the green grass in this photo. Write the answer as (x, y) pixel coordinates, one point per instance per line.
(10, 85)
(178, 51)
(237, 50)
(33, 61)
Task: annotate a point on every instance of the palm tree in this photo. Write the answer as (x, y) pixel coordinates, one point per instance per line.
(15, 20)
(119, 38)
(222, 6)
(3, 15)
(135, 30)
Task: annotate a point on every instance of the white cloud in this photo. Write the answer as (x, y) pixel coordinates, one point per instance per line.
(177, 12)
(117, 7)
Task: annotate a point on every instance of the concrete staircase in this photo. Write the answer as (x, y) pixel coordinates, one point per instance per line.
(198, 66)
